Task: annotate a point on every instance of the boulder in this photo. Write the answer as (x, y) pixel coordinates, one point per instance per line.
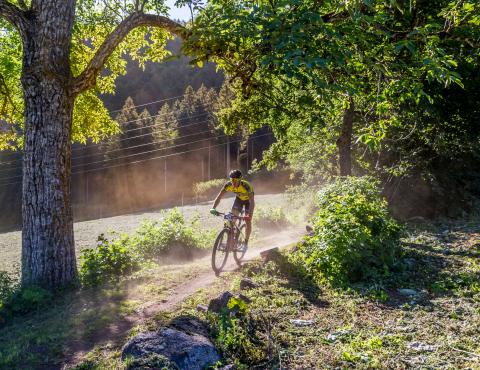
(247, 283)
(270, 254)
(219, 303)
(190, 351)
(228, 367)
(408, 292)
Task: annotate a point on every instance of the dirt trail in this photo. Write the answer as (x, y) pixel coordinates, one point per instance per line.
(116, 332)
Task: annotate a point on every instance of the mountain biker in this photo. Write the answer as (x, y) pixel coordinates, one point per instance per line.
(245, 198)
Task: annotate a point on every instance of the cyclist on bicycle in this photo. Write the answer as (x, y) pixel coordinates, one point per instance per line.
(245, 198)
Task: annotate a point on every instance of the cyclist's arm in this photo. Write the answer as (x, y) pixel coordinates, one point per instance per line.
(252, 203)
(218, 198)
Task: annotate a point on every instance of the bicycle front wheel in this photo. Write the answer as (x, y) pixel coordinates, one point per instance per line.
(240, 250)
(220, 251)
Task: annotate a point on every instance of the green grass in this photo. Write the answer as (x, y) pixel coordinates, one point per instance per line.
(363, 327)
(354, 328)
(43, 339)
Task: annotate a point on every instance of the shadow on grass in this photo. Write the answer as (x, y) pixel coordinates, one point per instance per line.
(297, 278)
(428, 273)
(73, 323)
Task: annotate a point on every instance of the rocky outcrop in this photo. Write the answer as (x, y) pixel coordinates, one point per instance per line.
(247, 283)
(221, 302)
(189, 349)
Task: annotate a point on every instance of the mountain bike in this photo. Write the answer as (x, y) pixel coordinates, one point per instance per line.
(230, 239)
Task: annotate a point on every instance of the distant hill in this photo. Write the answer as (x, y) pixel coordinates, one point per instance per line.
(162, 80)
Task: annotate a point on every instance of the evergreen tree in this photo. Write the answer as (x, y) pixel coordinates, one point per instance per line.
(165, 130)
(128, 121)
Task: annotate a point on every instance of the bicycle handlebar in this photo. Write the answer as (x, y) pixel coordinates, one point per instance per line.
(231, 215)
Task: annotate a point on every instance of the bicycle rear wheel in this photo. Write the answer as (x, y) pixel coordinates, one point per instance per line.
(239, 254)
(220, 251)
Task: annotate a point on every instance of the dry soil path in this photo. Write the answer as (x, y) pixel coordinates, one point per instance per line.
(86, 232)
(116, 333)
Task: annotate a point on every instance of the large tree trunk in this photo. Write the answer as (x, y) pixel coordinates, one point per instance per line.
(344, 141)
(48, 251)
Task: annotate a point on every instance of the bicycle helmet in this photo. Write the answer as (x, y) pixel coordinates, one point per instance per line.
(235, 174)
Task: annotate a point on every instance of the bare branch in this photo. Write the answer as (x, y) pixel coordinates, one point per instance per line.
(449, 36)
(14, 15)
(88, 77)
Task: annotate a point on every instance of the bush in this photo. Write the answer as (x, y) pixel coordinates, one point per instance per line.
(206, 190)
(113, 259)
(29, 299)
(237, 335)
(354, 236)
(155, 238)
(7, 287)
(107, 262)
(270, 217)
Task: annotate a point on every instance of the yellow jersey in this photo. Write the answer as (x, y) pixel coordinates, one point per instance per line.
(243, 191)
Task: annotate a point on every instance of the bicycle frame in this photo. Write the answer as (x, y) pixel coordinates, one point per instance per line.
(233, 228)
(233, 231)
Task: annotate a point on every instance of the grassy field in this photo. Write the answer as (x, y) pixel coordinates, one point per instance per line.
(436, 325)
(86, 232)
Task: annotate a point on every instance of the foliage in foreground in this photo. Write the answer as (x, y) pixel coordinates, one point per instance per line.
(270, 217)
(20, 300)
(153, 239)
(354, 236)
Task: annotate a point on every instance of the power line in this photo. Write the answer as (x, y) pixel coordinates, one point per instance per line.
(148, 159)
(163, 156)
(141, 105)
(133, 137)
(146, 144)
(100, 145)
(149, 151)
(136, 154)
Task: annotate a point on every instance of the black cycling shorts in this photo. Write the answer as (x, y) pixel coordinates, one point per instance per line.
(239, 204)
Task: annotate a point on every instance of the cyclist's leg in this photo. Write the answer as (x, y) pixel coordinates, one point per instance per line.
(237, 206)
(248, 223)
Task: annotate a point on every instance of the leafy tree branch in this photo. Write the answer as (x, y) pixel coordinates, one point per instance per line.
(87, 78)
(14, 15)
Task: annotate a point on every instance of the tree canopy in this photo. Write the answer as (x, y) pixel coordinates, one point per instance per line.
(105, 35)
(299, 65)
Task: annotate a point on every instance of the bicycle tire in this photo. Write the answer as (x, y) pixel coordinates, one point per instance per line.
(218, 252)
(237, 255)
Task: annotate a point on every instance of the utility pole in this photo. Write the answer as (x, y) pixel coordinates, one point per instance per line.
(209, 178)
(165, 176)
(228, 154)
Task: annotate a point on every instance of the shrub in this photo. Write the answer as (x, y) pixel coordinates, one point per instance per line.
(354, 236)
(207, 189)
(7, 286)
(108, 261)
(155, 238)
(29, 299)
(113, 259)
(237, 333)
(270, 217)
